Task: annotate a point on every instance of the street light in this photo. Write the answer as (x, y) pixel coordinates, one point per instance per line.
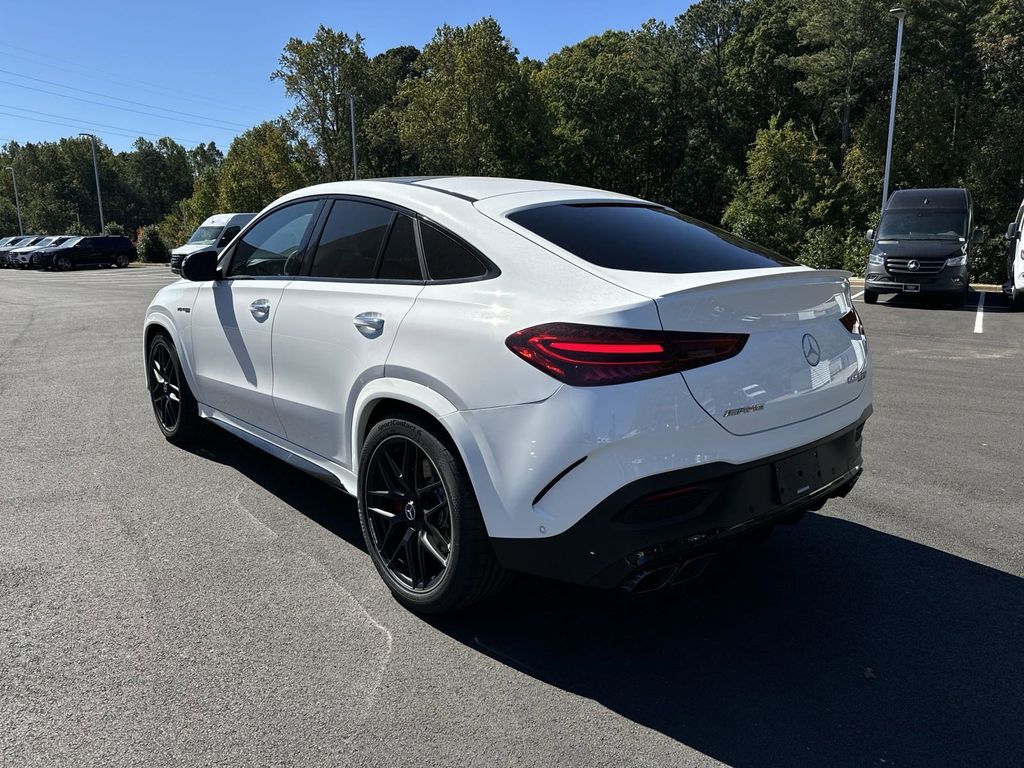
(901, 15)
(96, 172)
(17, 204)
(352, 123)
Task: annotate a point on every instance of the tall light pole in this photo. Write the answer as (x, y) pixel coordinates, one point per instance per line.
(352, 125)
(96, 172)
(17, 203)
(901, 15)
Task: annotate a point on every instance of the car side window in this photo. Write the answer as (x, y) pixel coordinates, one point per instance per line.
(351, 240)
(401, 260)
(448, 259)
(228, 236)
(1020, 217)
(271, 247)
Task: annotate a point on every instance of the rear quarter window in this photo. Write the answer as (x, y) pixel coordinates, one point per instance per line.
(447, 259)
(643, 238)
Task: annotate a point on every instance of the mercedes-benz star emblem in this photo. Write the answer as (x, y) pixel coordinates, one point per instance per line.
(913, 265)
(812, 352)
(410, 511)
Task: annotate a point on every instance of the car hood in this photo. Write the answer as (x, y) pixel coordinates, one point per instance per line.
(185, 250)
(919, 248)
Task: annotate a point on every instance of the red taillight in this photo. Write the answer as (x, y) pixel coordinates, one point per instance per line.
(590, 355)
(852, 323)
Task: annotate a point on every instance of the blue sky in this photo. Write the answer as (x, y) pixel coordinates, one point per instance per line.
(204, 68)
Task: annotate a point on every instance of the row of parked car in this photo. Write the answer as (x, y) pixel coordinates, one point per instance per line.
(64, 252)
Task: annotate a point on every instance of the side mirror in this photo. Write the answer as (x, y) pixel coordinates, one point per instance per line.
(1011, 231)
(200, 266)
(869, 236)
(978, 236)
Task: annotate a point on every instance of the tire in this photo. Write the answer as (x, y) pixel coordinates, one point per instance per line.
(1016, 297)
(431, 561)
(870, 297)
(121, 261)
(174, 406)
(62, 263)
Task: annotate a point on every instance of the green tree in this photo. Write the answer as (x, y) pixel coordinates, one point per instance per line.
(789, 189)
(260, 166)
(151, 247)
(842, 56)
(316, 74)
(464, 112)
(614, 109)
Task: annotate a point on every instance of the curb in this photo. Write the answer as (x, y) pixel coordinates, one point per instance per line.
(976, 287)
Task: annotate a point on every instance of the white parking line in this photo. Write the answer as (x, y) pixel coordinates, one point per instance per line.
(979, 319)
(857, 295)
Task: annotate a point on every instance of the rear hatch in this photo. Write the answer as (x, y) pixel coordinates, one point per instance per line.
(799, 360)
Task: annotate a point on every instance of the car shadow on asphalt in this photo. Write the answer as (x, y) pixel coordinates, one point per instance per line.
(829, 645)
(328, 507)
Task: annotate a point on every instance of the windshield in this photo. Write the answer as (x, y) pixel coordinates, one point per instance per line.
(69, 242)
(923, 225)
(47, 241)
(205, 236)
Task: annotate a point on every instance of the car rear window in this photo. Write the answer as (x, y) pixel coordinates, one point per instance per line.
(643, 238)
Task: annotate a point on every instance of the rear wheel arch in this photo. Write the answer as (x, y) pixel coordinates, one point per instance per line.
(383, 408)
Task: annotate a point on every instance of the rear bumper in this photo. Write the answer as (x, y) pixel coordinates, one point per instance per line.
(674, 516)
(949, 280)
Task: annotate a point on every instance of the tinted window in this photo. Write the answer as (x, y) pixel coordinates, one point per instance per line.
(271, 246)
(228, 236)
(447, 259)
(351, 240)
(401, 260)
(644, 239)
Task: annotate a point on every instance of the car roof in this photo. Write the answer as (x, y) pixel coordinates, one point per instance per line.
(440, 190)
(939, 197)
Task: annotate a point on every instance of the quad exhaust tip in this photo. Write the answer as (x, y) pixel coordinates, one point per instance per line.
(666, 575)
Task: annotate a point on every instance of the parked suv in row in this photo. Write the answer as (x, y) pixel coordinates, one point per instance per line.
(92, 251)
(21, 256)
(8, 244)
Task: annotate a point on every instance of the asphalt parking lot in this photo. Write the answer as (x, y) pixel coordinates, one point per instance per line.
(168, 607)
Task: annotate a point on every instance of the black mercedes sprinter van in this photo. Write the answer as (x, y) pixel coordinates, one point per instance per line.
(923, 244)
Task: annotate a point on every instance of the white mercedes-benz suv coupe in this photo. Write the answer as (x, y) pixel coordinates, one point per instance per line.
(513, 375)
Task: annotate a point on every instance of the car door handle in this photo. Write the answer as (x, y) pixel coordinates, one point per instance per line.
(260, 309)
(370, 324)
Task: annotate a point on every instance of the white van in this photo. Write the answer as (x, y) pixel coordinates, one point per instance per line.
(216, 232)
(1014, 287)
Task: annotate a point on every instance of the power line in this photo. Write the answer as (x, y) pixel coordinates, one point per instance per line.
(63, 125)
(115, 106)
(126, 101)
(77, 68)
(101, 125)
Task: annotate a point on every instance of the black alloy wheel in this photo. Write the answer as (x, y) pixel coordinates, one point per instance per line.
(63, 263)
(420, 517)
(165, 385)
(174, 405)
(121, 261)
(408, 514)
